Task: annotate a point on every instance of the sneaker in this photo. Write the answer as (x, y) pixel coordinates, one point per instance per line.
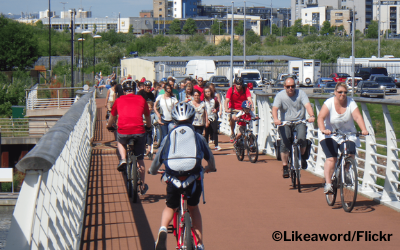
(232, 137)
(328, 188)
(285, 172)
(122, 165)
(303, 163)
(200, 247)
(217, 148)
(161, 239)
(144, 190)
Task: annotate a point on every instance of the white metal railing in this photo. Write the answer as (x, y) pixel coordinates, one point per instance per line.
(378, 173)
(44, 98)
(51, 204)
(24, 127)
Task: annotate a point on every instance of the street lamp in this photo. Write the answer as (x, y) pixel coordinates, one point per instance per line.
(219, 27)
(94, 53)
(79, 59)
(82, 39)
(281, 25)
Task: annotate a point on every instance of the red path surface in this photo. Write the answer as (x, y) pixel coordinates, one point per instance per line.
(246, 203)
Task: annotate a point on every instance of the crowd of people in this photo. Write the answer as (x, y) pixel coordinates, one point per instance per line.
(191, 109)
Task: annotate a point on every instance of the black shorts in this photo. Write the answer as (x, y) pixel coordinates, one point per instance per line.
(174, 194)
(139, 146)
(330, 147)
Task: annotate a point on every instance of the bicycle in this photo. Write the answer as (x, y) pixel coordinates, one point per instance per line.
(247, 142)
(347, 182)
(294, 160)
(132, 172)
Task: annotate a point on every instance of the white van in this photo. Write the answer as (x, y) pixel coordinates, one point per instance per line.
(201, 68)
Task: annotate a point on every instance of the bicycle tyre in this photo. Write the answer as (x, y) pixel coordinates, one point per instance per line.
(135, 179)
(128, 173)
(331, 198)
(239, 149)
(252, 153)
(188, 242)
(156, 136)
(293, 177)
(296, 166)
(349, 184)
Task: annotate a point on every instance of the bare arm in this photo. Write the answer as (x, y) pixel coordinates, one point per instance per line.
(323, 113)
(252, 104)
(360, 121)
(227, 110)
(111, 121)
(310, 111)
(108, 95)
(275, 115)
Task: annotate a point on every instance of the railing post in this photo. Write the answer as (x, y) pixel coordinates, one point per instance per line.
(392, 164)
(319, 163)
(58, 98)
(369, 159)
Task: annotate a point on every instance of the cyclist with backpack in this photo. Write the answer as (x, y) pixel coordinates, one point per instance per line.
(293, 104)
(235, 97)
(182, 165)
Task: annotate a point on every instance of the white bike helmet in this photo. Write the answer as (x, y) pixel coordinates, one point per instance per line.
(183, 113)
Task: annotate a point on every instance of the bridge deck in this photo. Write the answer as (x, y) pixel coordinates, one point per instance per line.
(246, 203)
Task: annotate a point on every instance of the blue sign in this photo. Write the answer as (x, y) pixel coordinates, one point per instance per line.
(134, 53)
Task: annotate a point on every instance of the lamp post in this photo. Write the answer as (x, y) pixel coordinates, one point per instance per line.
(94, 53)
(281, 26)
(244, 36)
(219, 27)
(83, 39)
(352, 51)
(379, 31)
(79, 59)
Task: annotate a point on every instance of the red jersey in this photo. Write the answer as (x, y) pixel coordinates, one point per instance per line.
(130, 110)
(245, 116)
(201, 89)
(236, 98)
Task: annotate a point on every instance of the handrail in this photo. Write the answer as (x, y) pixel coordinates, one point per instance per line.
(50, 208)
(384, 190)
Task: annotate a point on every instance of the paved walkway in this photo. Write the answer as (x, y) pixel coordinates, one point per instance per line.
(246, 204)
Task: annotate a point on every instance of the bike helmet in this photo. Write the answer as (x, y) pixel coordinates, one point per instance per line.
(183, 113)
(128, 86)
(147, 83)
(239, 80)
(246, 104)
(113, 83)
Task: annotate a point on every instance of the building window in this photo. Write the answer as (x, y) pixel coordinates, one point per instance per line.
(339, 21)
(175, 10)
(339, 14)
(305, 14)
(160, 9)
(160, 3)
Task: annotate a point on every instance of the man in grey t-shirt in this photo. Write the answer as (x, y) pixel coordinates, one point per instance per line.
(292, 104)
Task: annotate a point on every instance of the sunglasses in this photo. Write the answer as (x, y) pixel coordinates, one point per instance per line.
(342, 92)
(290, 86)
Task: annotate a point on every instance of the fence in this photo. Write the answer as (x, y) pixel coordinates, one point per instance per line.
(24, 127)
(378, 172)
(50, 208)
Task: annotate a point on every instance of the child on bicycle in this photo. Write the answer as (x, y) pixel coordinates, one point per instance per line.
(182, 151)
(244, 114)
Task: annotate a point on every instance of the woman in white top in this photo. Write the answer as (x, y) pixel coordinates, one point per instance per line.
(111, 96)
(200, 118)
(166, 103)
(212, 106)
(338, 113)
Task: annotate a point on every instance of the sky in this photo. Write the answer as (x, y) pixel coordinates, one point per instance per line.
(102, 8)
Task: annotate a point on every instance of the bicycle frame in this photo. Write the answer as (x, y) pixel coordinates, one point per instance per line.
(179, 224)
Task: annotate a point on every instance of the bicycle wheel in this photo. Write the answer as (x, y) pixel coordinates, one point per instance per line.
(252, 148)
(188, 242)
(296, 166)
(331, 198)
(156, 136)
(128, 173)
(349, 184)
(293, 177)
(134, 180)
(239, 149)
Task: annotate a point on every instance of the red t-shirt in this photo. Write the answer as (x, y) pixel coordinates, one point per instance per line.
(130, 109)
(201, 89)
(236, 99)
(245, 116)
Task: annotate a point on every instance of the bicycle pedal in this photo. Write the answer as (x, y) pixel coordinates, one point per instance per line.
(170, 229)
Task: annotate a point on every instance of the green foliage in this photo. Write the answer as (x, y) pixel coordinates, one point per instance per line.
(252, 38)
(218, 27)
(326, 28)
(13, 93)
(290, 40)
(189, 28)
(130, 31)
(372, 31)
(239, 28)
(275, 30)
(19, 48)
(270, 40)
(175, 27)
(297, 27)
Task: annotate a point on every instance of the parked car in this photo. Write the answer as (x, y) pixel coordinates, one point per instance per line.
(369, 89)
(283, 76)
(219, 81)
(339, 77)
(356, 81)
(320, 83)
(329, 87)
(365, 73)
(385, 81)
(396, 79)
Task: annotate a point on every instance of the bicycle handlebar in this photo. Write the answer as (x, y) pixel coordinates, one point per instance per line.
(292, 122)
(337, 132)
(248, 121)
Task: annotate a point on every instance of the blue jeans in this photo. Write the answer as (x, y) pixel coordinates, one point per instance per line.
(164, 128)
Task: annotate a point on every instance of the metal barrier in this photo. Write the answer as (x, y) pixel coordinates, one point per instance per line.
(23, 127)
(50, 208)
(378, 173)
(44, 98)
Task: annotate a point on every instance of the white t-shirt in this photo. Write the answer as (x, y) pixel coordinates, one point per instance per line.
(210, 105)
(199, 115)
(166, 104)
(342, 122)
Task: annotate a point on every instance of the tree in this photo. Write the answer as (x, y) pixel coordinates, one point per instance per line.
(327, 29)
(239, 29)
(276, 30)
(18, 46)
(189, 28)
(297, 27)
(130, 31)
(252, 37)
(175, 27)
(372, 31)
(218, 27)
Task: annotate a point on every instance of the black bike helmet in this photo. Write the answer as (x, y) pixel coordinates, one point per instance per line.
(128, 86)
(239, 80)
(148, 83)
(183, 112)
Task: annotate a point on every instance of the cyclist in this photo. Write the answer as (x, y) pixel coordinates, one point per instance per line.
(130, 109)
(235, 97)
(146, 92)
(292, 104)
(245, 114)
(182, 163)
(338, 113)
